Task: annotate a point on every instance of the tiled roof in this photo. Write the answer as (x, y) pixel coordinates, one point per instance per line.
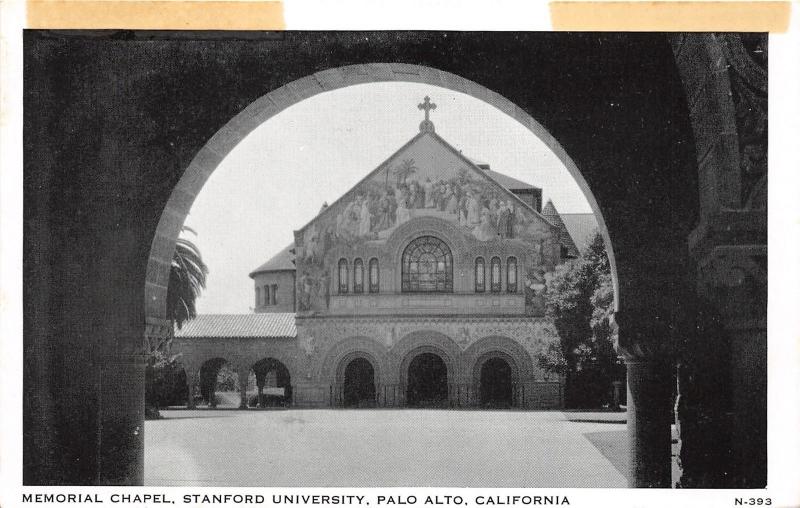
(504, 180)
(550, 213)
(581, 227)
(280, 261)
(270, 325)
(509, 183)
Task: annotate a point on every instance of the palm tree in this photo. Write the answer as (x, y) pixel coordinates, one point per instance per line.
(404, 170)
(187, 278)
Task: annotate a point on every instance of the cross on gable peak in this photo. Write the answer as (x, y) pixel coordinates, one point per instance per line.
(427, 106)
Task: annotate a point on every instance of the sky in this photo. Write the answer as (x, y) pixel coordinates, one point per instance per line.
(276, 179)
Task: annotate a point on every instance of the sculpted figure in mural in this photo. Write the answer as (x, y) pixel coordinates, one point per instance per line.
(505, 220)
(429, 197)
(386, 212)
(365, 219)
(452, 200)
(304, 287)
(473, 209)
(485, 231)
(402, 212)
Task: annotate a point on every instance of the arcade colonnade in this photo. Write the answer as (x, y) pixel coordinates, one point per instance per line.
(362, 372)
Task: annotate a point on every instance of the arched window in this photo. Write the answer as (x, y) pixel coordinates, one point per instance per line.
(480, 275)
(374, 276)
(343, 276)
(511, 275)
(266, 295)
(358, 276)
(427, 266)
(274, 294)
(497, 284)
(258, 297)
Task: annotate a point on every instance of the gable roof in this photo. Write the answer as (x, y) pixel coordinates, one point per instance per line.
(581, 227)
(564, 237)
(277, 325)
(282, 261)
(464, 159)
(508, 182)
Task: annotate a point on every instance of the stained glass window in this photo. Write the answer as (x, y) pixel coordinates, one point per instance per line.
(427, 266)
(480, 275)
(374, 276)
(358, 276)
(511, 275)
(343, 276)
(497, 284)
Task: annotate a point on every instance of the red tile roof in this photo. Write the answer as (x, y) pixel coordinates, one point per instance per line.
(270, 325)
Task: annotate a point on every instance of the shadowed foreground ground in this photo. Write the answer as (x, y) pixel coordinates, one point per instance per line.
(388, 447)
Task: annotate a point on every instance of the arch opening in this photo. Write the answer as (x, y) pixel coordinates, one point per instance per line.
(219, 384)
(427, 381)
(359, 384)
(496, 384)
(273, 384)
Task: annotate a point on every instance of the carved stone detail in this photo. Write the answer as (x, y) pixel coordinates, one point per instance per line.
(734, 278)
(747, 56)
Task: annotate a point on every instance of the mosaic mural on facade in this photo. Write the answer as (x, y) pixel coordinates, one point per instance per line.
(425, 178)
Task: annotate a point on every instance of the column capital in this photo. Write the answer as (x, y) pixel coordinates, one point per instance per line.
(645, 335)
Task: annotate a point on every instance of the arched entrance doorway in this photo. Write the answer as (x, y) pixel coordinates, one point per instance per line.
(274, 384)
(359, 384)
(496, 385)
(427, 381)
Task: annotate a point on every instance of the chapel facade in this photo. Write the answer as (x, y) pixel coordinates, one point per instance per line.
(422, 286)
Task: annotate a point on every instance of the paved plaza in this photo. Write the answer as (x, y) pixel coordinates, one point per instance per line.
(385, 448)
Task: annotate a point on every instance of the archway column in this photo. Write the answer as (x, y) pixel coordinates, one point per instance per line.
(192, 380)
(243, 371)
(734, 279)
(644, 339)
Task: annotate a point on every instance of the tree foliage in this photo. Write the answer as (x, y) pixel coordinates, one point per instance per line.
(187, 278)
(580, 300)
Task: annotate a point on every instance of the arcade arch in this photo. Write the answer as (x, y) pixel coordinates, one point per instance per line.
(274, 102)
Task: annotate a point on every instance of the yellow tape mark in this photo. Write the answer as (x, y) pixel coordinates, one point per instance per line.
(671, 16)
(156, 14)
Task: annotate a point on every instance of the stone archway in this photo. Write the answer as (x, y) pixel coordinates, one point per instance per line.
(495, 383)
(331, 79)
(209, 373)
(273, 383)
(496, 379)
(358, 383)
(634, 163)
(426, 380)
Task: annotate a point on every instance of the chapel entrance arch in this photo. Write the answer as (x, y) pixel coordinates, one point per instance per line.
(427, 381)
(359, 383)
(496, 384)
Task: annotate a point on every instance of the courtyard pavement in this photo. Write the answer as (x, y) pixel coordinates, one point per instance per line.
(385, 448)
